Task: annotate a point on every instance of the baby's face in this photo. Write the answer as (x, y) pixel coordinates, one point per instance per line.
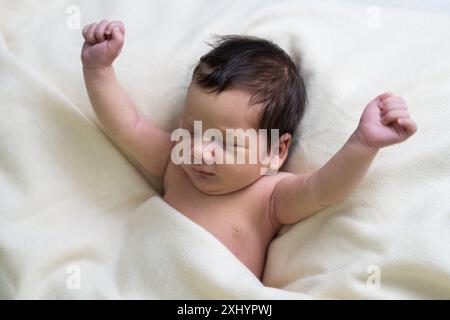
(229, 110)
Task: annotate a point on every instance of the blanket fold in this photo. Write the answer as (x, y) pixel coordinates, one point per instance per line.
(79, 220)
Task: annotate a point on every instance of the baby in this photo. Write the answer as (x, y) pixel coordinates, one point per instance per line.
(243, 83)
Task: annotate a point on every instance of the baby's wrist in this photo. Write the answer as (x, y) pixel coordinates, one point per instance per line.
(98, 74)
(357, 138)
(95, 68)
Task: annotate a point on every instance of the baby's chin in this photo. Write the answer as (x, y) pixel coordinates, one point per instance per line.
(211, 185)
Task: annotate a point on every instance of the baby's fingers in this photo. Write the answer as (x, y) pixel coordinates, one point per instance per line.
(408, 124)
(89, 35)
(109, 28)
(393, 100)
(85, 31)
(393, 115)
(394, 106)
(99, 32)
(116, 42)
(385, 95)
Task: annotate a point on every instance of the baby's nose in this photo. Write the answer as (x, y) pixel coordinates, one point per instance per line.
(204, 151)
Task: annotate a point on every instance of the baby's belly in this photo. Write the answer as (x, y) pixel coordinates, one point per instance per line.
(246, 238)
(246, 243)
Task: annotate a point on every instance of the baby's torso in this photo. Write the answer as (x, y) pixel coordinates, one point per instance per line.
(240, 220)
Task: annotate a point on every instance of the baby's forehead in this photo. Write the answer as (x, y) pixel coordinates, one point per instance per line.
(228, 110)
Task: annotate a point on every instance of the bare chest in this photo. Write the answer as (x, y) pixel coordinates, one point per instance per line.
(239, 220)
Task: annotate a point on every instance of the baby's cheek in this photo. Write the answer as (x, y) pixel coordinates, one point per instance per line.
(229, 154)
(241, 172)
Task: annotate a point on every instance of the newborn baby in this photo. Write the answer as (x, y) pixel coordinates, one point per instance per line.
(242, 83)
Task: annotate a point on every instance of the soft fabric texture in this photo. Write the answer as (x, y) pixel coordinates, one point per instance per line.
(72, 204)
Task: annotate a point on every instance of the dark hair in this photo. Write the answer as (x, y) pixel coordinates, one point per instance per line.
(262, 68)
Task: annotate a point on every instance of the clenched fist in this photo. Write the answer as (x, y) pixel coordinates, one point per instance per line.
(385, 121)
(103, 43)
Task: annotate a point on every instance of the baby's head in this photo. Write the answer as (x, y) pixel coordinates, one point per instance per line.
(242, 83)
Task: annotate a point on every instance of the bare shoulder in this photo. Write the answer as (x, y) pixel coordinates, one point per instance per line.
(151, 146)
(263, 189)
(269, 182)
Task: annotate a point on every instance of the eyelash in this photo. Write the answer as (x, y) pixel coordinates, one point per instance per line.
(191, 132)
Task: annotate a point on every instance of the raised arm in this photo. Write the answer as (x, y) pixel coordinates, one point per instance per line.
(113, 107)
(385, 121)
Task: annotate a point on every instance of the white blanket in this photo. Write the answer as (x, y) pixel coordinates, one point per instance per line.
(79, 219)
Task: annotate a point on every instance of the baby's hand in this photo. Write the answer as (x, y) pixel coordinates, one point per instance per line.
(103, 43)
(385, 121)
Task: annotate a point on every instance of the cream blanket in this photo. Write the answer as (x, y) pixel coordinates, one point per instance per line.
(79, 220)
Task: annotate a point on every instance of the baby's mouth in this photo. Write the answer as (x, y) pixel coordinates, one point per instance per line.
(202, 172)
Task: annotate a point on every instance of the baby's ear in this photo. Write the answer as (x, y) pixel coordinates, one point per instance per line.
(283, 148)
(277, 158)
